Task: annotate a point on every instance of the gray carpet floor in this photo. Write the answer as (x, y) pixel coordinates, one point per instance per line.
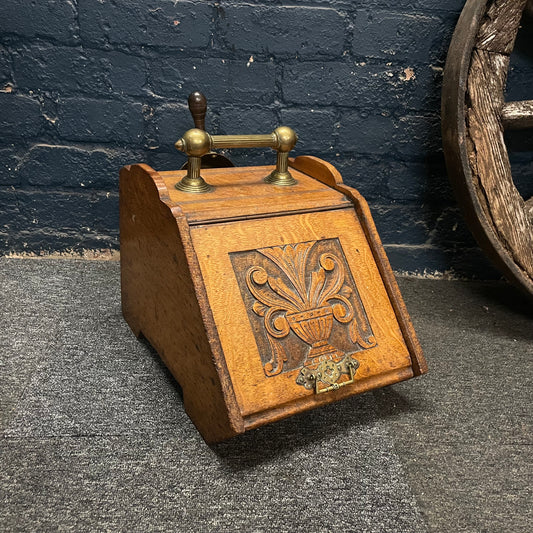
(94, 436)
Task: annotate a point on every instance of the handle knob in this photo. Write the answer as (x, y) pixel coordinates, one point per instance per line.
(198, 108)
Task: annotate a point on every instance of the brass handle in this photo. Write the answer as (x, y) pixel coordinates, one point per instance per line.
(196, 143)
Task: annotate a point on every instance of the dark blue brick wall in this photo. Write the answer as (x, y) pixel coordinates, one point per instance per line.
(284, 31)
(53, 19)
(87, 86)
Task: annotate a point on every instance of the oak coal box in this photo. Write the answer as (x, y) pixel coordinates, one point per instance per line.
(265, 290)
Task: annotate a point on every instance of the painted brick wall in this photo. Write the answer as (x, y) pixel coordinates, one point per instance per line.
(87, 86)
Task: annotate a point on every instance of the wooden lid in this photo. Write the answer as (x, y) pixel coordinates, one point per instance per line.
(241, 193)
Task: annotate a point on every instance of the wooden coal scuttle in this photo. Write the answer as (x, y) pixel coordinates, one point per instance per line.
(265, 290)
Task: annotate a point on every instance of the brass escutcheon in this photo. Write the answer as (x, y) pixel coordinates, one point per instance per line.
(329, 372)
(325, 374)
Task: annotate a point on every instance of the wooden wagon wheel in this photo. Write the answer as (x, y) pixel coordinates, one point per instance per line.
(474, 116)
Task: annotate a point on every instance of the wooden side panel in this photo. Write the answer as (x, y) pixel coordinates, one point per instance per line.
(161, 301)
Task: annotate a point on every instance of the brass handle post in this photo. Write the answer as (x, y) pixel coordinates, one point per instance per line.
(195, 143)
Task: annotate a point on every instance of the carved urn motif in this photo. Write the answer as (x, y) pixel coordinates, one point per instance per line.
(308, 299)
(314, 328)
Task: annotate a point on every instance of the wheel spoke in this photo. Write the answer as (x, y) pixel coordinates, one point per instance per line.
(518, 115)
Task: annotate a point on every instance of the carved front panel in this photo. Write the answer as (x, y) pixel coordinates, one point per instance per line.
(305, 310)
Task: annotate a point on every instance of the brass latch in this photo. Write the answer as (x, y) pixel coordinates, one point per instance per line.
(196, 143)
(329, 372)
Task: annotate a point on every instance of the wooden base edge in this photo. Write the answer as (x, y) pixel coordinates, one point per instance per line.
(302, 405)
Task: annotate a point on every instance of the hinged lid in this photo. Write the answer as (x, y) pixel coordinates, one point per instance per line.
(241, 193)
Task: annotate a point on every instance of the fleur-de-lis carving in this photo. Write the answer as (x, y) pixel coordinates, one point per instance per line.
(307, 304)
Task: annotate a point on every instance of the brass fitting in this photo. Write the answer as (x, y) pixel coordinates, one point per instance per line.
(196, 143)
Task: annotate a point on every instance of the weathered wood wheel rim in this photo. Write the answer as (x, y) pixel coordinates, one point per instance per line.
(474, 116)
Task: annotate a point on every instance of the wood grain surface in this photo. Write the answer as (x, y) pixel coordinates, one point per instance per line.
(504, 206)
(254, 391)
(474, 116)
(518, 115)
(329, 175)
(163, 299)
(497, 32)
(242, 193)
(185, 262)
